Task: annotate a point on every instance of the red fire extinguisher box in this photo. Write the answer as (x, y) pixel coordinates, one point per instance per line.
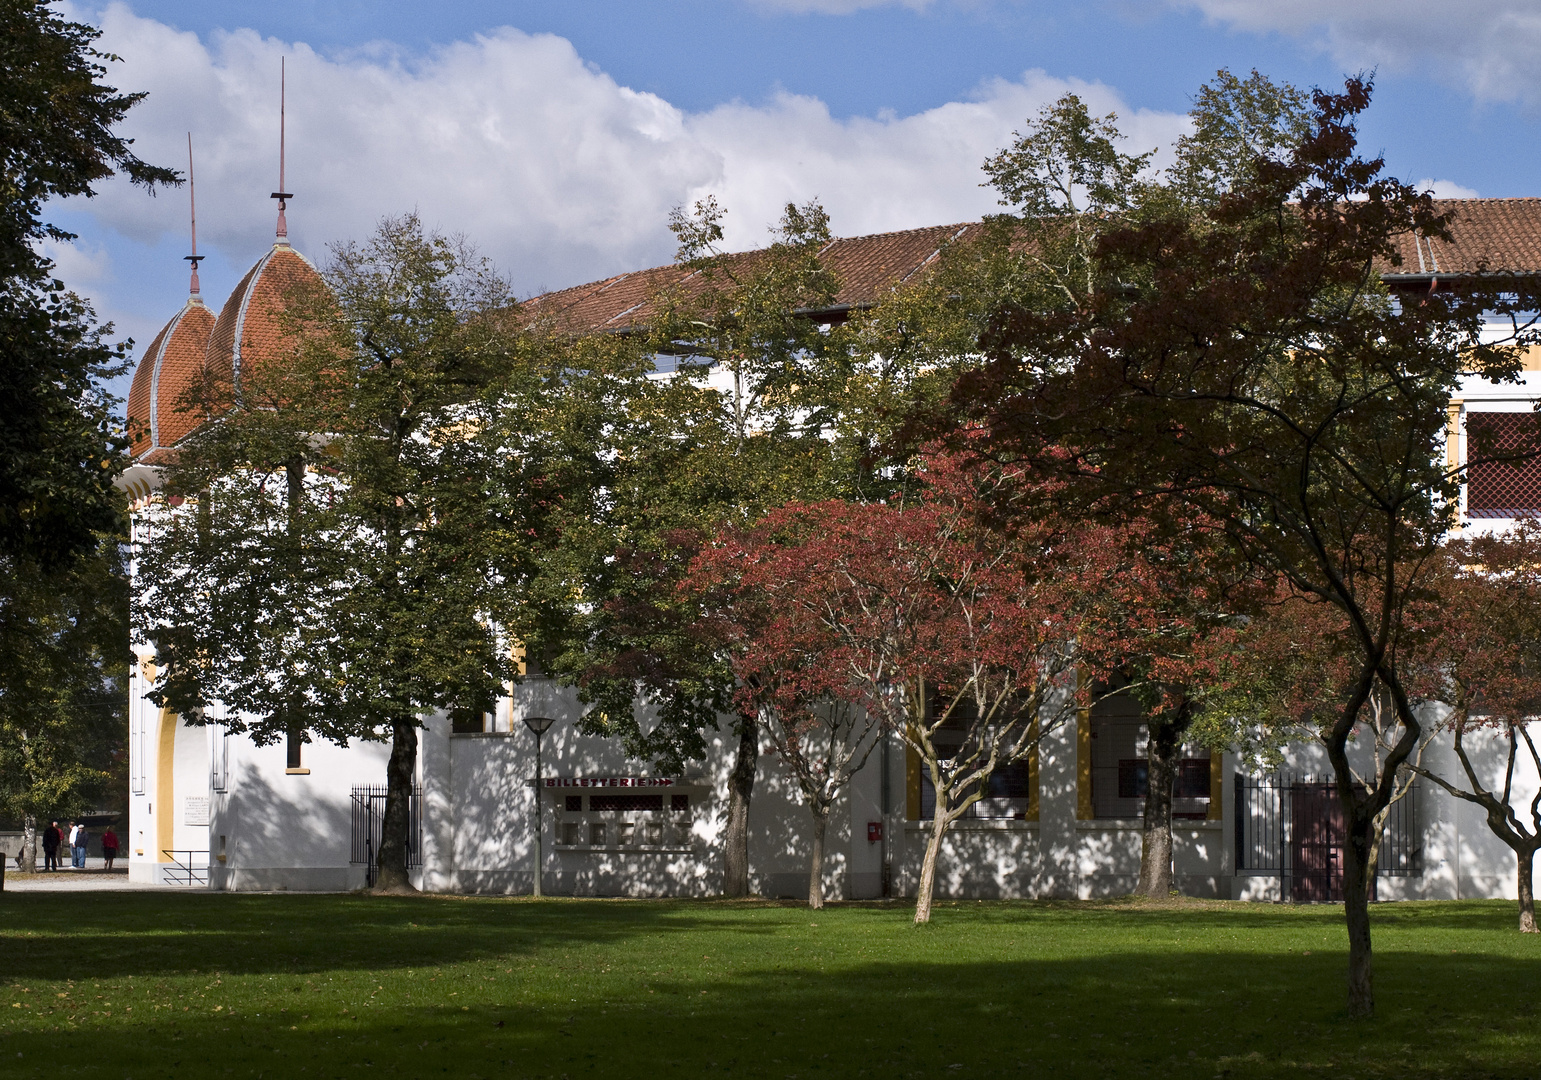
(874, 831)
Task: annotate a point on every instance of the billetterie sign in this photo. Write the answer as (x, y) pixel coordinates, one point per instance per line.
(611, 781)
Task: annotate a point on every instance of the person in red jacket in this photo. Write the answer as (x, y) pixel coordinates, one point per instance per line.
(109, 846)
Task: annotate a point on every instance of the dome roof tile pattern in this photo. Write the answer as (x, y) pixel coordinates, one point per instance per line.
(170, 367)
(250, 327)
(194, 344)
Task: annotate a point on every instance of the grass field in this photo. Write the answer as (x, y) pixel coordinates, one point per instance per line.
(145, 985)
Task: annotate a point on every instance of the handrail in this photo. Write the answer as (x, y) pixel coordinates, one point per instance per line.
(185, 872)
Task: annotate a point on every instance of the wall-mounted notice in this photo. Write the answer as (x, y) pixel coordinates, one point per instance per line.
(195, 810)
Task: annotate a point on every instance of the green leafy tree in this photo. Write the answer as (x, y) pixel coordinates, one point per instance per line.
(329, 572)
(740, 426)
(63, 710)
(59, 442)
(1244, 356)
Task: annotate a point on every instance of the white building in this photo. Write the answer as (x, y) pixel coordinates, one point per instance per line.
(211, 809)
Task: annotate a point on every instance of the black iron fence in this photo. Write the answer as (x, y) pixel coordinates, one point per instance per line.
(1291, 826)
(369, 818)
(187, 867)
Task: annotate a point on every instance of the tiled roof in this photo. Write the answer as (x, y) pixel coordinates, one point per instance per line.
(250, 326)
(1486, 235)
(865, 266)
(194, 345)
(171, 366)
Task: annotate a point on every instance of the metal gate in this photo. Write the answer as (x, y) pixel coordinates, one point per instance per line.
(369, 818)
(1292, 827)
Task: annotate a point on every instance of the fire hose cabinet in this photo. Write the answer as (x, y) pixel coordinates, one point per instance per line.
(874, 832)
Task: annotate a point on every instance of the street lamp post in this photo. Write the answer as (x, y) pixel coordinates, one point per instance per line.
(538, 725)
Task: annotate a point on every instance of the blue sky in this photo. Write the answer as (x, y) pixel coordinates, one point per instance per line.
(558, 135)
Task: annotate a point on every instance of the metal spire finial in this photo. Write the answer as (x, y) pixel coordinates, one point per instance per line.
(281, 195)
(192, 207)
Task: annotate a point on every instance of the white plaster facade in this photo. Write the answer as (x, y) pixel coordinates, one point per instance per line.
(272, 828)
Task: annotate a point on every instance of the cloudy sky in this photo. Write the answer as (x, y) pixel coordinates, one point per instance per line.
(557, 134)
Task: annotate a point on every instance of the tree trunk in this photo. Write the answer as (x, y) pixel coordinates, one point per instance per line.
(1372, 859)
(735, 851)
(1527, 891)
(399, 774)
(28, 844)
(1356, 908)
(816, 860)
(928, 864)
(1156, 836)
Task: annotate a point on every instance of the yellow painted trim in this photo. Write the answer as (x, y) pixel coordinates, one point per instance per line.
(1453, 434)
(165, 788)
(1083, 765)
(911, 784)
(296, 772)
(1216, 785)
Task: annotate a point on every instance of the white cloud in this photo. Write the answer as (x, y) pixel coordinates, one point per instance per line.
(1490, 47)
(1445, 189)
(79, 264)
(550, 166)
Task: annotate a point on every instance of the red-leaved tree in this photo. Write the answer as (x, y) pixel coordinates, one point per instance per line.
(911, 617)
(1483, 649)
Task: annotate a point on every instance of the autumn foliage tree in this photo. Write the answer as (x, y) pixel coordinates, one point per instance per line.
(954, 637)
(1245, 357)
(1161, 620)
(1484, 645)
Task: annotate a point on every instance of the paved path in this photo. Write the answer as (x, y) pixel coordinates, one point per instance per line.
(87, 880)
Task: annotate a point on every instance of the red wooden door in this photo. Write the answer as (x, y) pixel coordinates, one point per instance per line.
(1316, 843)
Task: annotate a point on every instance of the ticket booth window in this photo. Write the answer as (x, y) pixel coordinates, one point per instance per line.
(625, 819)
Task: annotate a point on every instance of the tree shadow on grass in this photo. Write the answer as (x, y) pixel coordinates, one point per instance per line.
(500, 988)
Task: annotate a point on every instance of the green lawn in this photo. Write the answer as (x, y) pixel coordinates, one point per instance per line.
(145, 985)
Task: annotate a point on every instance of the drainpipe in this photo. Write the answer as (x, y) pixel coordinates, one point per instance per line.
(885, 875)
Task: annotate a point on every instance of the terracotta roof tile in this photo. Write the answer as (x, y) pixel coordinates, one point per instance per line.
(1494, 235)
(866, 266)
(250, 326)
(170, 367)
(1486, 235)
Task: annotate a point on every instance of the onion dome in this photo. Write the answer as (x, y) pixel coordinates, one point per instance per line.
(251, 327)
(169, 369)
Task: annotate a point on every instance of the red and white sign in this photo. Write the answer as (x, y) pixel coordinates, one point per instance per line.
(610, 781)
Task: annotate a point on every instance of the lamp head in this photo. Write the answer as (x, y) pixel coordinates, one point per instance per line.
(538, 724)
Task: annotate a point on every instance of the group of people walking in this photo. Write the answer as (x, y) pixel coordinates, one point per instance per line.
(79, 838)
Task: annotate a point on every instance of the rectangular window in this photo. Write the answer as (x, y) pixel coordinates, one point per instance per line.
(596, 834)
(679, 802)
(572, 832)
(625, 832)
(1010, 787)
(626, 802)
(1120, 771)
(575, 804)
(293, 744)
(1502, 489)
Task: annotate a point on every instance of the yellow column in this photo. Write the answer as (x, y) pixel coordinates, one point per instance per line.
(165, 792)
(1453, 434)
(1083, 765)
(1216, 785)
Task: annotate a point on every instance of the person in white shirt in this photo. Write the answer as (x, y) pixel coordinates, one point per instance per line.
(78, 838)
